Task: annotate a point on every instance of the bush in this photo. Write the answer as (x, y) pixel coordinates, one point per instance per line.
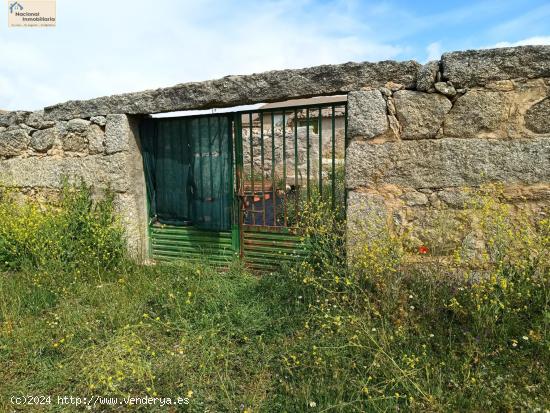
(74, 232)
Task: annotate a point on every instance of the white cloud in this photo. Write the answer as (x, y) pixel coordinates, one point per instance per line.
(117, 47)
(434, 51)
(130, 45)
(536, 40)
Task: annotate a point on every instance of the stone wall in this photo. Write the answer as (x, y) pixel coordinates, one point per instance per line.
(36, 154)
(419, 134)
(474, 118)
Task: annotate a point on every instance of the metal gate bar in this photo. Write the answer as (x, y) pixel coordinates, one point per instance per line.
(274, 194)
(270, 200)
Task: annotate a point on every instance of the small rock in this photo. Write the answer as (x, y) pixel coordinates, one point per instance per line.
(61, 127)
(36, 120)
(454, 198)
(537, 117)
(117, 134)
(385, 91)
(26, 128)
(96, 139)
(394, 86)
(13, 142)
(74, 142)
(434, 200)
(391, 107)
(394, 126)
(77, 125)
(73, 135)
(446, 89)
(413, 198)
(398, 218)
(427, 76)
(43, 140)
(99, 120)
(13, 118)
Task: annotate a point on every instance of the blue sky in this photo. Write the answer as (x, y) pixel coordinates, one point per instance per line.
(104, 47)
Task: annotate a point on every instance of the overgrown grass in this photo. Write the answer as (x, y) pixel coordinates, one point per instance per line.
(376, 335)
(72, 232)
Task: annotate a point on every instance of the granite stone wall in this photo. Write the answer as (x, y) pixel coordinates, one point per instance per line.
(419, 134)
(37, 154)
(474, 118)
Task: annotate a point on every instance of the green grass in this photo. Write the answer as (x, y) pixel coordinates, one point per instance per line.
(235, 339)
(376, 336)
(163, 330)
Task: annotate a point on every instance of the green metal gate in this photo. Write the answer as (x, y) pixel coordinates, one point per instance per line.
(285, 157)
(188, 164)
(228, 185)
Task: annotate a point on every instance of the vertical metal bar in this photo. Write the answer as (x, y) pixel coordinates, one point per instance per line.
(262, 164)
(253, 190)
(296, 185)
(320, 126)
(273, 180)
(284, 169)
(333, 157)
(307, 154)
(238, 205)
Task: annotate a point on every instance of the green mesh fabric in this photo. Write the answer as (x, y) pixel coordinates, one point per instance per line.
(188, 170)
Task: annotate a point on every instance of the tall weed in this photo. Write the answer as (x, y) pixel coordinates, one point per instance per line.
(384, 334)
(75, 232)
